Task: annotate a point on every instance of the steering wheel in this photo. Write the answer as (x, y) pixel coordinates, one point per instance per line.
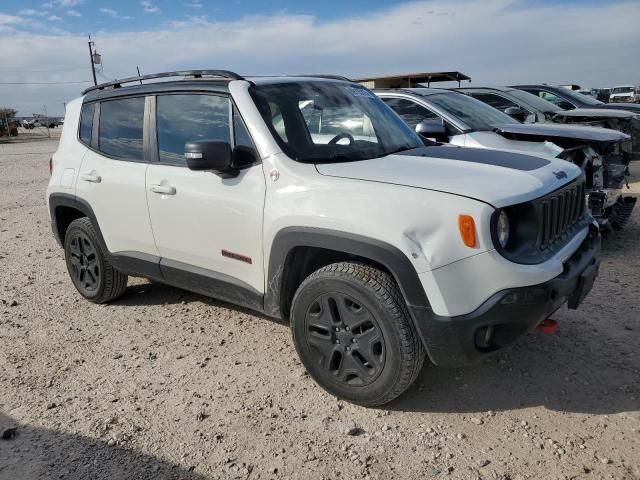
(340, 136)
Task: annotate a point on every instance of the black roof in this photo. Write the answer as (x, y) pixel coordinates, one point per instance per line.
(422, 91)
(194, 74)
(220, 86)
(205, 80)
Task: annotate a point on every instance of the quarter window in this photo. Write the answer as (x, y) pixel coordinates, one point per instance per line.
(121, 126)
(86, 122)
(188, 118)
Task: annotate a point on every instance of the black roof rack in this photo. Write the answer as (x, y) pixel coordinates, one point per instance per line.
(180, 73)
(330, 77)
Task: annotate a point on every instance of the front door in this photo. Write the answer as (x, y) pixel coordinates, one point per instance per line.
(208, 228)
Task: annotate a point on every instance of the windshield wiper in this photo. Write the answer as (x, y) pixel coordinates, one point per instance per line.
(398, 150)
(333, 158)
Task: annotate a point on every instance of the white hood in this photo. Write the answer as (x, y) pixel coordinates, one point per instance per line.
(495, 177)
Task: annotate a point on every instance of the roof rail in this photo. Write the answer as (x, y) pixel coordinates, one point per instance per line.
(330, 77)
(180, 73)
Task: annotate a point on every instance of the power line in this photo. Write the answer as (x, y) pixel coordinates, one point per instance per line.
(46, 71)
(44, 83)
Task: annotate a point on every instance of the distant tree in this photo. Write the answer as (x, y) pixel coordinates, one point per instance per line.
(8, 112)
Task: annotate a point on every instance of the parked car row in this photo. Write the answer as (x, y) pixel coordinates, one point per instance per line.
(493, 119)
(308, 199)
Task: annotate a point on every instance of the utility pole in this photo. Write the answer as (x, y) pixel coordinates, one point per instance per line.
(93, 65)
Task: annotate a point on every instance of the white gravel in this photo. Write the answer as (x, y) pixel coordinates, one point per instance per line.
(167, 384)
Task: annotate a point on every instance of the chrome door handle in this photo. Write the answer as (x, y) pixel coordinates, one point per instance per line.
(89, 177)
(163, 189)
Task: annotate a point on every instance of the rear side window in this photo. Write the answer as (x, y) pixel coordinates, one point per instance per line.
(86, 122)
(121, 127)
(187, 118)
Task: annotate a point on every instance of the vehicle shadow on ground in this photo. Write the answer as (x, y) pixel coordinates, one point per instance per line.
(41, 453)
(154, 293)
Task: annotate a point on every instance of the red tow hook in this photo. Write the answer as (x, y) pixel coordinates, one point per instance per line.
(548, 326)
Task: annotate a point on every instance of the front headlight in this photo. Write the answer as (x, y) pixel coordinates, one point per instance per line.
(502, 229)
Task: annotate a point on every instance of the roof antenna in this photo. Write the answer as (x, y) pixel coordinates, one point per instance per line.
(138, 69)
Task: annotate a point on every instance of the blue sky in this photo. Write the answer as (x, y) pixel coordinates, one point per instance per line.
(123, 15)
(44, 55)
(83, 16)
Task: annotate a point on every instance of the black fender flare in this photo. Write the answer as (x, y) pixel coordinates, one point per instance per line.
(344, 242)
(132, 263)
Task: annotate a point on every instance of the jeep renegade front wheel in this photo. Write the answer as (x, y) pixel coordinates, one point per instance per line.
(91, 273)
(353, 333)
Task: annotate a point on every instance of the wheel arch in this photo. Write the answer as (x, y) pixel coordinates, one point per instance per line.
(64, 208)
(295, 249)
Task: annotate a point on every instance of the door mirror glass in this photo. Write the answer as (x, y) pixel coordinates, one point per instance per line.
(209, 155)
(517, 113)
(432, 128)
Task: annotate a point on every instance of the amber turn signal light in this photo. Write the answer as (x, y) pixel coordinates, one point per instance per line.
(467, 230)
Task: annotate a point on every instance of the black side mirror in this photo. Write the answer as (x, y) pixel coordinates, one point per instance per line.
(518, 113)
(209, 155)
(565, 105)
(432, 128)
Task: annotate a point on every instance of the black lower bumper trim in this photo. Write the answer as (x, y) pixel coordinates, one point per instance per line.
(509, 314)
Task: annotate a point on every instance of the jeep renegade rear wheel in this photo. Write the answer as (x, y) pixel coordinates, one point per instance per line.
(90, 272)
(353, 333)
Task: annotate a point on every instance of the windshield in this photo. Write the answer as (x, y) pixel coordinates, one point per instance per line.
(534, 101)
(476, 114)
(622, 90)
(578, 97)
(316, 121)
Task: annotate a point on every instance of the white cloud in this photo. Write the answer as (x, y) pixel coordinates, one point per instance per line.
(68, 3)
(149, 7)
(195, 4)
(114, 14)
(30, 12)
(74, 13)
(9, 21)
(54, 18)
(496, 42)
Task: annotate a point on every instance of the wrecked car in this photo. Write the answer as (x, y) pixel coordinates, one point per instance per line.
(455, 118)
(527, 107)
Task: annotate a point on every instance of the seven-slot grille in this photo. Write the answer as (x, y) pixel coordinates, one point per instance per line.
(559, 212)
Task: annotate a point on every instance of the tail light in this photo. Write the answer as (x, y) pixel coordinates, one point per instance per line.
(50, 166)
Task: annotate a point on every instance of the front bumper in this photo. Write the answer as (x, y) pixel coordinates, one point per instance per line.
(509, 314)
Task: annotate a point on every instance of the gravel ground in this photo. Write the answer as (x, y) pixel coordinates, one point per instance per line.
(166, 384)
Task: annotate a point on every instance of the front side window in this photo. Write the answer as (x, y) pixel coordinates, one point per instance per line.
(495, 101)
(534, 101)
(188, 118)
(409, 111)
(121, 127)
(86, 122)
(316, 121)
(469, 111)
(622, 90)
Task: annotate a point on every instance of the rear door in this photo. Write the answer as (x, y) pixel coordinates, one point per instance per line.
(208, 227)
(112, 175)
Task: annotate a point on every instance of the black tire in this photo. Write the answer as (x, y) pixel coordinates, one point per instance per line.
(353, 333)
(91, 273)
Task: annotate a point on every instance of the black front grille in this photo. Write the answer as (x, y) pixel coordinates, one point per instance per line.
(559, 212)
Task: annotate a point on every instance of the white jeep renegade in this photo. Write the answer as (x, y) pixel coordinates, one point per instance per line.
(309, 199)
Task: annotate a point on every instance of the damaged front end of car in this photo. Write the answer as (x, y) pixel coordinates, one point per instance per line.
(625, 122)
(603, 156)
(606, 168)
